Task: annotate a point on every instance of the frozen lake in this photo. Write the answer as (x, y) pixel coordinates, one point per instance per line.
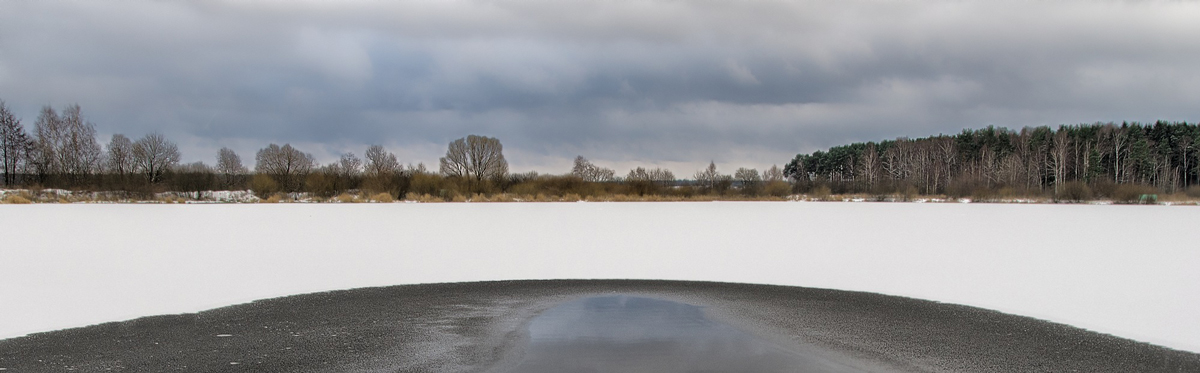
(1130, 271)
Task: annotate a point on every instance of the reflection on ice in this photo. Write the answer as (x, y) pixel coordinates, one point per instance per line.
(635, 334)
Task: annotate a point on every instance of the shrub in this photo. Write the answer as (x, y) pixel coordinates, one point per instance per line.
(1010, 193)
(1104, 188)
(274, 198)
(909, 193)
(820, 193)
(1074, 191)
(524, 188)
(572, 197)
(1193, 191)
(346, 198)
(391, 183)
(424, 183)
(263, 186)
(322, 184)
(777, 188)
(1132, 193)
(963, 189)
(683, 192)
(383, 197)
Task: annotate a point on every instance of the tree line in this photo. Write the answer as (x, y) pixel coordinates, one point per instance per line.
(62, 151)
(1070, 162)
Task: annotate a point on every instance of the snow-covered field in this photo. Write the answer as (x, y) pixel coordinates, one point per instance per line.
(1132, 271)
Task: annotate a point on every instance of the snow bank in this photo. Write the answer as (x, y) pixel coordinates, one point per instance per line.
(1125, 270)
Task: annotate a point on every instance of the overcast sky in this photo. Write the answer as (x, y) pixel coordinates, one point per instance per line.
(624, 83)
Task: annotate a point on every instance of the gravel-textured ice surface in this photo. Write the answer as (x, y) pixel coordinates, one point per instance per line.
(1125, 270)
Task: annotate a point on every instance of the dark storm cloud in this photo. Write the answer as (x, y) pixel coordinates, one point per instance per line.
(671, 83)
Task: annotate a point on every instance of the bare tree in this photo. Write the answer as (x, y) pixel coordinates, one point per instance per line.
(66, 144)
(638, 174)
(773, 174)
(589, 172)
(194, 167)
(82, 154)
(380, 162)
(1059, 153)
(643, 181)
(897, 159)
(712, 181)
(230, 168)
(349, 166)
(153, 155)
(870, 165)
(1184, 146)
(48, 130)
(418, 169)
(1120, 141)
(383, 173)
(349, 171)
(775, 182)
(476, 158)
(750, 180)
(15, 145)
(120, 155)
(1196, 157)
(661, 176)
(286, 165)
(947, 152)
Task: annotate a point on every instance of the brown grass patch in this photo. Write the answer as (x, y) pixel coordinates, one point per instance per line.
(15, 199)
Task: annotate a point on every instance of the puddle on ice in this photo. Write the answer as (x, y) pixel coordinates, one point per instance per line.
(634, 334)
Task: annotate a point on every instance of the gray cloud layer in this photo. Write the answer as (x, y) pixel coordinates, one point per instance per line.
(673, 83)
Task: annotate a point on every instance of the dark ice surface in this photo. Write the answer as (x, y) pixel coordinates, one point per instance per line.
(484, 327)
(635, 334)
